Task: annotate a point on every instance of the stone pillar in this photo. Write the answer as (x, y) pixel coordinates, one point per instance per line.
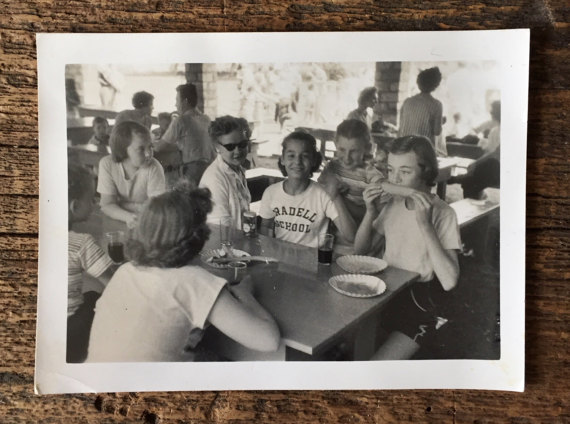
(204, 77)
(387, 81)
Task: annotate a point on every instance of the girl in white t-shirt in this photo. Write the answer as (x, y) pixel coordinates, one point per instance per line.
(130, 175)
(299, 209)
(421, 235)
(155, 307)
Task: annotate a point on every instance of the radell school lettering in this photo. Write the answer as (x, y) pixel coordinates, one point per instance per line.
(292, 211)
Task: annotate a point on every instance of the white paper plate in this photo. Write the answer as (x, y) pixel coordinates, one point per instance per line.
(358, 285)
(207, 255)
(361, 264)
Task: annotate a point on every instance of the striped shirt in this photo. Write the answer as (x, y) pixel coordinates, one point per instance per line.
(421, 115)
(84, 255)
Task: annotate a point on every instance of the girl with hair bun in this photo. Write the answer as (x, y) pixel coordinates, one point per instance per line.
(156, 307)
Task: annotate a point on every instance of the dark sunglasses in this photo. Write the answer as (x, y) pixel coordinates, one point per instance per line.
(242, 145)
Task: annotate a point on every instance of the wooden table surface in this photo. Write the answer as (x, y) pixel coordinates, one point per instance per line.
(547, 291)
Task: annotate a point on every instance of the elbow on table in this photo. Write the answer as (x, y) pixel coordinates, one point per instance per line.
(270, 340)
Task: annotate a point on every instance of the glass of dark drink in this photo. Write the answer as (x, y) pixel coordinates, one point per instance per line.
(326, 244)
(237, 271)
(115, 246)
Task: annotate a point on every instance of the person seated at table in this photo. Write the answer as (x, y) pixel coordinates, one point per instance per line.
(143, 105)
(421, 235)
(225, 177)
(100, 137)
(352, 169)
(422, 114)
(156, 307)
(130, 175)
(84, 256)
(299, 209)
(366, 99)
(164, 120)
(486, 170)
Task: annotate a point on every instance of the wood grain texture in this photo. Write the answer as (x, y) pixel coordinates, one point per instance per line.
(548, 245)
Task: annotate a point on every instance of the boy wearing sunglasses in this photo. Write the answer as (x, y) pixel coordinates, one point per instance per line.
(225, 177)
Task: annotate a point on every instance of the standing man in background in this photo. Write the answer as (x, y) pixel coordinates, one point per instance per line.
(189, 132)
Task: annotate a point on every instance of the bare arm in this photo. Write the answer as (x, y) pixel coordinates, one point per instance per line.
(267, 227)
(239, 316)
(367, 236)
(344, 221)
(444, 261)
(111, 208)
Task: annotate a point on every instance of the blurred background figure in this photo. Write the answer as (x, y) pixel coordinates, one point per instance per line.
(110, 82)
(143, 105)
(100, 137)
(367, 99)
(422, 114)
(164, 120)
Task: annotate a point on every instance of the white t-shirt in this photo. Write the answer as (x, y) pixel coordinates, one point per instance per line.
(147, 182)
(230, 195)
(300, 218)
(149, 314)
(405, 246)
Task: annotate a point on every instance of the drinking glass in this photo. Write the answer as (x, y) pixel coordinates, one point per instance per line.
(226, 232)
(115, 246)
(326, 243)
(237, 271)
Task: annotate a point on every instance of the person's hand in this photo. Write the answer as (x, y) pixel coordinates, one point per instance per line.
(243, 289)
(370, 196)
(132, 222)
(423, 207)
(246, 284)
(330, 183)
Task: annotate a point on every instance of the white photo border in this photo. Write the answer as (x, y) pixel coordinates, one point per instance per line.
(509, 48)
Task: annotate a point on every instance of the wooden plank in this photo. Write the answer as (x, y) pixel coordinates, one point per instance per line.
(548, 377)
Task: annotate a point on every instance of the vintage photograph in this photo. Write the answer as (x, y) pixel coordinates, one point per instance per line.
(278, 212)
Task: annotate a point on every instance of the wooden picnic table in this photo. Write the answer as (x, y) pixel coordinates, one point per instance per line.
(311, 315)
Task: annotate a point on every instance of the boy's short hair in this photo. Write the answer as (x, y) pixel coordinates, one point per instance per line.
(366, 94)
(354, 128)
(142, 99)
(429, 79)
(165, 115)
(78, 178)
(227, 124)
(189, 93)
(121, 137)
(171, 229)
(424, 151)
(309, 141)
(100, 120)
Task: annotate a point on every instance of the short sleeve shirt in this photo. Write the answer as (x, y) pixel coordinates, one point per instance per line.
(84, 255)
(405, 246)
(147, 182)
(190, 133)
(299, 218)
(150, 314)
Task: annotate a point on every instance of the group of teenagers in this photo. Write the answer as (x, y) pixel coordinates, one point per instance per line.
(156, 306)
